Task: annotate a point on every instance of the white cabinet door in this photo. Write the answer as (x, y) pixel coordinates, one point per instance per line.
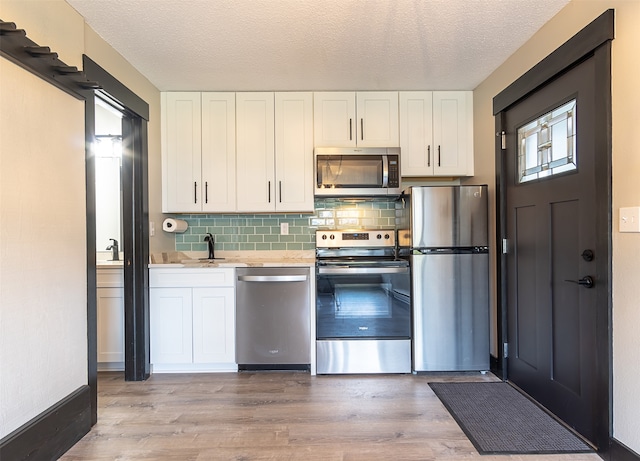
(170, 315)
(255, 152)
(214, 325)
(110, 319)
(416, 133)
(294, 151)
(453, 133)
(334, 119)
(181, 152)
(436, 133)
(349, 119)
(218, 152)
(377, 123)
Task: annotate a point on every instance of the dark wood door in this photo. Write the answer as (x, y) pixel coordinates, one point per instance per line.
(551, 249)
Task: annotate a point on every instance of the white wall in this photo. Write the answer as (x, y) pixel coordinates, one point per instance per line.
(43, 279)
(626, 170)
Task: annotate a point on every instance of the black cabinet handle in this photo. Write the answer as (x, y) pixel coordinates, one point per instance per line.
(206, 192)
(269, 190)
(428, 155)
(350, 129)
(195, 192)
(438, 155)
(362, 129)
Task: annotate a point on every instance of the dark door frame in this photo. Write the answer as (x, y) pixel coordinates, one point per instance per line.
(135, 217)
(592, 41)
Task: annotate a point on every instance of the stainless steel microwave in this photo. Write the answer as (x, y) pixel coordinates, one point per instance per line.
(353, 172)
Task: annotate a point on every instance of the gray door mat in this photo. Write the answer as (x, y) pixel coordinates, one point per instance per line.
(498, 419)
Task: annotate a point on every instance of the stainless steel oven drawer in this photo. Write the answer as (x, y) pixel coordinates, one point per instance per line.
(363, 356)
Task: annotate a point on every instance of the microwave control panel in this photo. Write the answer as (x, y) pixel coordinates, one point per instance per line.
(394, 171)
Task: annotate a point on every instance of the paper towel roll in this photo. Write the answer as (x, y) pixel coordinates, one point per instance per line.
(174, 225)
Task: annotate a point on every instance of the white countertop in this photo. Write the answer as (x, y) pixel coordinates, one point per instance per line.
(193, 260)
(170, 260)
(109, 264)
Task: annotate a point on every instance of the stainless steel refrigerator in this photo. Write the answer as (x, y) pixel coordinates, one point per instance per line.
(443, 232)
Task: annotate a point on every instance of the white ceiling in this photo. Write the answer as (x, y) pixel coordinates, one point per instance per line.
(259, 45)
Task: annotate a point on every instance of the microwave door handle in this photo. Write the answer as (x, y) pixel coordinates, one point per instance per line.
(385, 171)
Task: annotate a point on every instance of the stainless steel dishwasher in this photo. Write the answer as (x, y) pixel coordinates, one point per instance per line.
(273, 320)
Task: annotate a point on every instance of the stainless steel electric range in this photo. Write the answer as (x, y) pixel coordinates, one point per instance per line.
(363, 308)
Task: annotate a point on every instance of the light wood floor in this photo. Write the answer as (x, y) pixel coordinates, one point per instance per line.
(279, 416)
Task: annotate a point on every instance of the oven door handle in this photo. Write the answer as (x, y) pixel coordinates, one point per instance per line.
(362, 270)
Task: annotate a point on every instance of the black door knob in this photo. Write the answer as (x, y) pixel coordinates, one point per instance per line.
(587, 255)
(586, 281)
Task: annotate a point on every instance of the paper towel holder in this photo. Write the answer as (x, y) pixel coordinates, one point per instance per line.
(172, 225)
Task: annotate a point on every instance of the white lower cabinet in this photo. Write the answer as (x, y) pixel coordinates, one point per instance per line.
(171, 320)
(213, 325)
(110, 319)
(192, 319)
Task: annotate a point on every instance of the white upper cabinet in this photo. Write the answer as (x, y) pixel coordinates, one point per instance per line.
(349, 119)
(255, 153)
(453, 133)
(181, 152)
(219, 152)
(237, 152)
(334, 116)
(198, 152)
(274, 152)
(377, 119)
(294, 151)
(436, 133)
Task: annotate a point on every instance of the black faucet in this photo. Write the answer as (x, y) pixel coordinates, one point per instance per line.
(115, 251)
(210, 242)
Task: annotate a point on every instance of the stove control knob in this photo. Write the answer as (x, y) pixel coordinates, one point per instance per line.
(332, 237)
(379, 236)
(324, 237)
(387, 236)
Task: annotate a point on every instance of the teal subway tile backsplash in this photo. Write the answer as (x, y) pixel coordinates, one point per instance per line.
(240, 232)
(246, 232)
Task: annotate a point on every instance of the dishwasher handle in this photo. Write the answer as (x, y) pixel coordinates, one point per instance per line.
(272, 278)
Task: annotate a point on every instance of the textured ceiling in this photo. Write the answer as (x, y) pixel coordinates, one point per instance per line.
(254, 45)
